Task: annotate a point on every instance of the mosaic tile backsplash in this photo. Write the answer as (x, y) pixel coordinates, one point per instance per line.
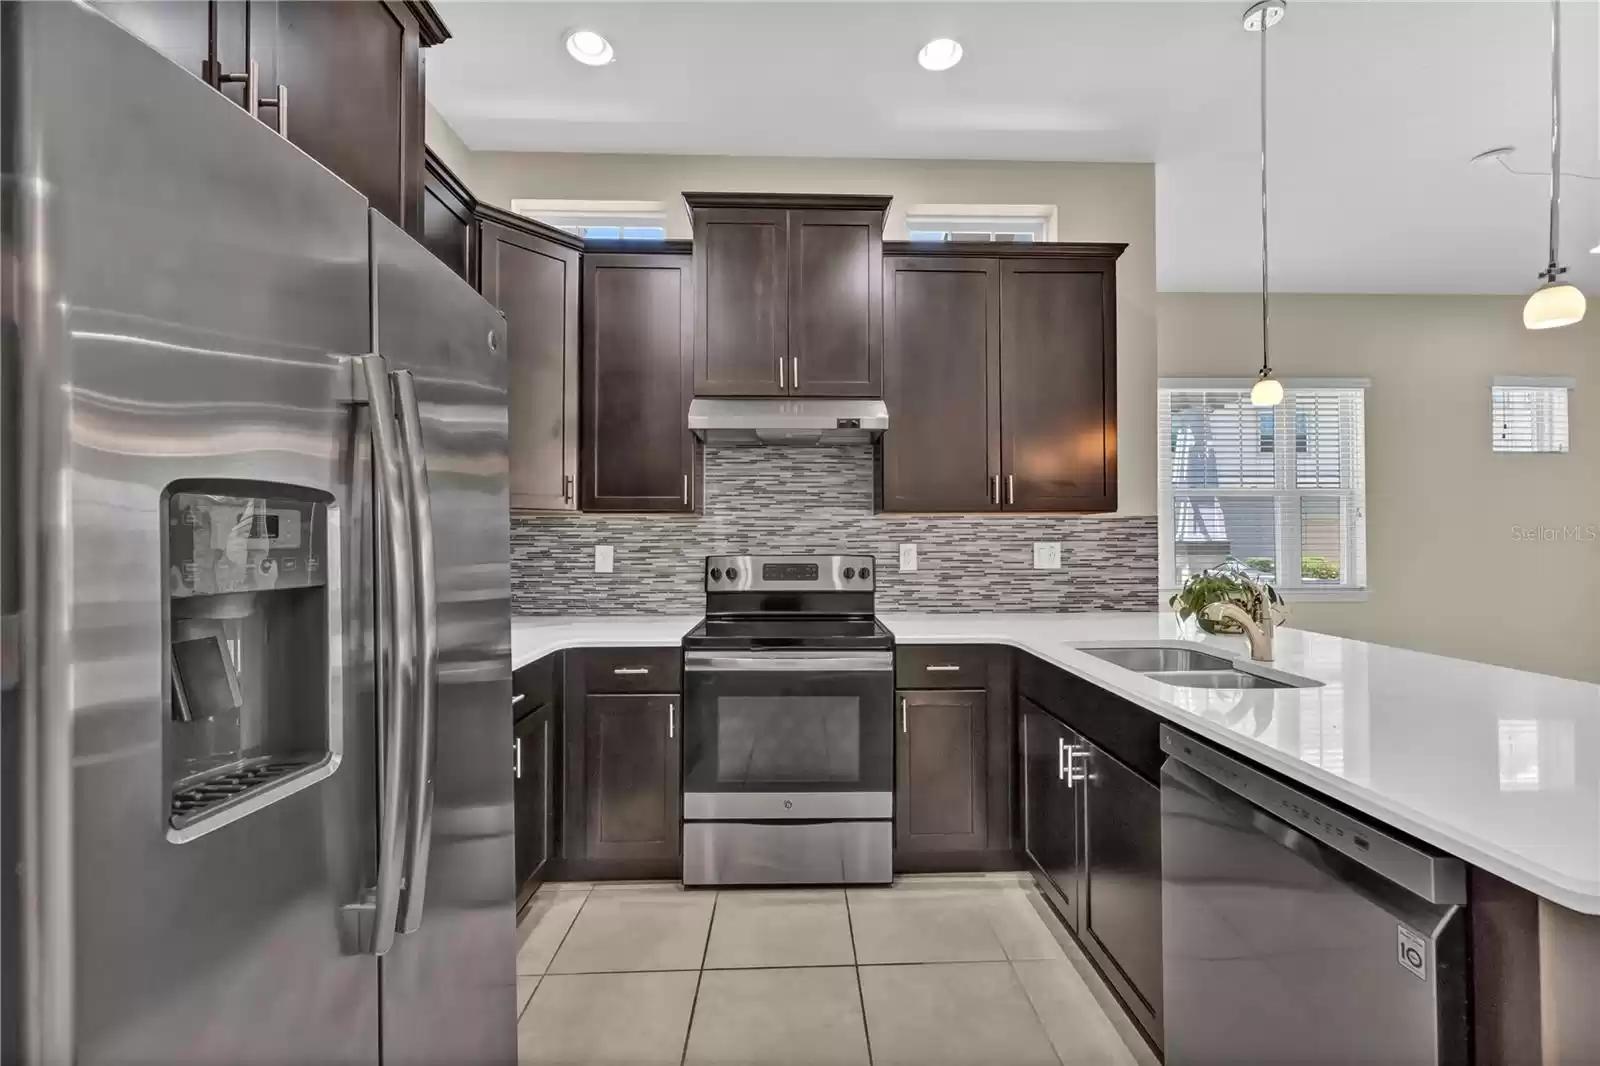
(794, 500)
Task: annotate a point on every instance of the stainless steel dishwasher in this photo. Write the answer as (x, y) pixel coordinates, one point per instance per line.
(1296, 933)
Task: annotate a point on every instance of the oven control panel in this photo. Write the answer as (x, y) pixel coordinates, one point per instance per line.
(790, 573)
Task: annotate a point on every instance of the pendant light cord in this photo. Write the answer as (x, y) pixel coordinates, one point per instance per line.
(1265, 366)
(1555, 139)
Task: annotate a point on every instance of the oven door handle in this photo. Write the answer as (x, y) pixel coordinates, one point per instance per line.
(810, 662)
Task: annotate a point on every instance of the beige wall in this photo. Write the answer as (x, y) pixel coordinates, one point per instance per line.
(447, 146)
(1445, 569)
(1095, 202)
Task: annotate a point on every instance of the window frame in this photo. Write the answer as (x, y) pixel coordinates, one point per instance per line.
(1037, 219)
(570, 214)
(1563, 385)
(1288, 532)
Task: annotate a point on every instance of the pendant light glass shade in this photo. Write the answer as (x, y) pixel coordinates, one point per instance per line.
(1267, 391)
(1556, 304)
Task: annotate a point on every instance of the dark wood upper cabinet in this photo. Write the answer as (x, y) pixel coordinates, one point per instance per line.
(638, 378)
(530, 271)
(1058, 409)
(741, 282)
(941, 383)
(351, 75)
(631, 778)
(448, 225)
(788, 294)
(1000, 373)
(836, 303)
(941, 787)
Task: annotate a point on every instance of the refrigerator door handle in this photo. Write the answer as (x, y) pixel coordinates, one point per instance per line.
(397, 629)
(425, 744)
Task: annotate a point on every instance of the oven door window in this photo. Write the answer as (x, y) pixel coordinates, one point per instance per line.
(799, 732)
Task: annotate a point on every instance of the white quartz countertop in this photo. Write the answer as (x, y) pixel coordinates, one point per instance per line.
(1498, 767)
(534, 638)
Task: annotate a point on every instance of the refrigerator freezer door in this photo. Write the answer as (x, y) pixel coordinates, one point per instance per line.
(449, 986)
(194, 286)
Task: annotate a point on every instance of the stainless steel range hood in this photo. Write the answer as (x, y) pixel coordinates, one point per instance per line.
(791, 422)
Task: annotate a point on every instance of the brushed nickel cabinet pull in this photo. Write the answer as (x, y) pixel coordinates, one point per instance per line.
(794, 371)
(903, 726)
(994, 489)
(518, 743)
(280, 104)
(942, 668)
(629, 671)
(566, 488)
(518, 698)
(252, 101)
(686, 489)
(672, 721)
(781, 383)
(1011, 489)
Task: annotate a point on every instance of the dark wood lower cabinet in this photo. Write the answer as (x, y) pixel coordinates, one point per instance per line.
(533, 796)
(1092, 832)
(941, 774)
(631, 778)
(1120, 923)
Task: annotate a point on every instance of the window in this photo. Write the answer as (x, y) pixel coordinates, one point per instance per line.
(1530, 414)
(1280, 489)
(982, 223)
(613, 220)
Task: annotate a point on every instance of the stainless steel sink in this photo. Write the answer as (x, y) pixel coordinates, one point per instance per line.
(1228, 678)
(1149, 660)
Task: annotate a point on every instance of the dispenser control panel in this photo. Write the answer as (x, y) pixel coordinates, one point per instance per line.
(219, 544)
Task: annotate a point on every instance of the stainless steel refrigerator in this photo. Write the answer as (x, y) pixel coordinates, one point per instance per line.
(254, 553)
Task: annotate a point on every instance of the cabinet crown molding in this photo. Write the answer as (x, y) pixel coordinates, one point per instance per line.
(511, 220)
(1006, 250)
(795, 201)
(672, 246)
(434, 31)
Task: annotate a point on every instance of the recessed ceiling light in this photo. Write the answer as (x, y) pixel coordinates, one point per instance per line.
(587, 46)
(941, 53)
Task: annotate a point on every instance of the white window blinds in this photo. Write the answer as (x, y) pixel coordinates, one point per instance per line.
(1280, 489)
(1530, 414)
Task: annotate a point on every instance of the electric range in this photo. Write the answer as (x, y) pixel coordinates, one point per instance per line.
(788, 764)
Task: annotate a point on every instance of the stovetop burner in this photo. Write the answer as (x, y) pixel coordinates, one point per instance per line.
(809, 631)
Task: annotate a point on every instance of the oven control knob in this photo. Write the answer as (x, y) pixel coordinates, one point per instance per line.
(849, 572)
(716, 575)
(733, 573)
(865, 573)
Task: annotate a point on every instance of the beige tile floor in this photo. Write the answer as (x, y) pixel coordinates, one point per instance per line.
(965, 971)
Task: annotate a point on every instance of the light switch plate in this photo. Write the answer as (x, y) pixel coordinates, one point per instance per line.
(1047, 555)
(908, 558)
(602, 558)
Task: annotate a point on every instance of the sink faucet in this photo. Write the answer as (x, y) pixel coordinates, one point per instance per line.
(1258, 628)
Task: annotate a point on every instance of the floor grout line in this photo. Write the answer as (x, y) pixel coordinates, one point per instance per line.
(855, 969)
(563, 943)
(700, 976)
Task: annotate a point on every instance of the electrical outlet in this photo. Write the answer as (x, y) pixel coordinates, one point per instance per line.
(602, 558)
(1047, 555)
(908, 558)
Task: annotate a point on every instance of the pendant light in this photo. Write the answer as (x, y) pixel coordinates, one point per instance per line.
(1555, 303)
(1268, 390)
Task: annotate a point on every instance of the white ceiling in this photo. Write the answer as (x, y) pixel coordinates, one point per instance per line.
(1376, 108)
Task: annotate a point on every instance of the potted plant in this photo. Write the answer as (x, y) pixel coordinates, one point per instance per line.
(1228, 582)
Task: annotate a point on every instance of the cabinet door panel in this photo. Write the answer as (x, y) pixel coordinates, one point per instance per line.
(741, 282)
(535, 282)
(1122, 882)
(941, 794)
(835, 303)
(1052, 809)
(354, 75)
(531, 764)
(1058, 409)
(942, 384)
(185, 31)
(447, 218)
(631, 777)
(638, 454)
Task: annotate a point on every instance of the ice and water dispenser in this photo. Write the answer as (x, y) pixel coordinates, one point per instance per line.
(252, 631)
